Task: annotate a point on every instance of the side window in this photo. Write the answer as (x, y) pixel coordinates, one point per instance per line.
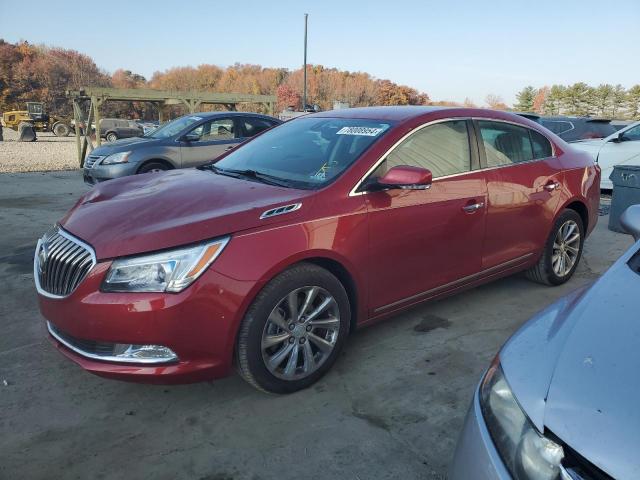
(541, 146)
(443, 148)
(631, 135)
(253, 126)
(504, 143)
(215, 130)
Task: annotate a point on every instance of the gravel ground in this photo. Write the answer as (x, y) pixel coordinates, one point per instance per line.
(47, 153)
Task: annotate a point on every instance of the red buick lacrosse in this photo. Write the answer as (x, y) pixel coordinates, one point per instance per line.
(268, 258)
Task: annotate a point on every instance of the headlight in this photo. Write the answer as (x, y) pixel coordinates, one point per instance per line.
(527, 454)
(170, 271)
(122, 157)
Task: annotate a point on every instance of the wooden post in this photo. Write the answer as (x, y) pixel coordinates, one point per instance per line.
(87, 144)
(78, 119)
(96, 108)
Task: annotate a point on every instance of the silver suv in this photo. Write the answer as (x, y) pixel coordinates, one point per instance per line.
(188, 141)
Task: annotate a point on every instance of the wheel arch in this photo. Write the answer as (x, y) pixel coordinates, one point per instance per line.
(581, 209)
(331, 262)
(345, 278)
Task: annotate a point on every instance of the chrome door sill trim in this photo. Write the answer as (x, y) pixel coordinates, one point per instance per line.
(455, 283)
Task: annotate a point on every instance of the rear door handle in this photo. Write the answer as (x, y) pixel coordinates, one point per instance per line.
(473, 207)
(551, 186)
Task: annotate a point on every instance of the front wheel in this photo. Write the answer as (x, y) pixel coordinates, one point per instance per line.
(294, 330)
(562, 251)
(111, 137)
(153, 167)
(60, 129)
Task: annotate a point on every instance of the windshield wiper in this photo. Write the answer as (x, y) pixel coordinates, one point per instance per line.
(251, 174)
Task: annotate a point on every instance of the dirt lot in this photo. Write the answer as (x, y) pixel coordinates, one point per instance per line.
(47, 153)
(391, 408)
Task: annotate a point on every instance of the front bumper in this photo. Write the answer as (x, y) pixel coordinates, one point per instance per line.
(100, 173)
(476, 456)
(199, 324)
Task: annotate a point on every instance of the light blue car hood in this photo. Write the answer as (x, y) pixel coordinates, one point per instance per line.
(574, 370)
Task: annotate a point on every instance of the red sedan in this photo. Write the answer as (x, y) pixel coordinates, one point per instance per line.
(271, 257)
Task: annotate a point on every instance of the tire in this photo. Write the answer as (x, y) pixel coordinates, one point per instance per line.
(111, 137)
(150, 167)
(60, 129)
(261, 357)
(549, 270)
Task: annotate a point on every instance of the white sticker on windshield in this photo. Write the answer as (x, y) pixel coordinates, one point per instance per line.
(195, 118)
(366, 131)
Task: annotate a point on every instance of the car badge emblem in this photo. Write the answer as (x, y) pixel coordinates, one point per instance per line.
(43, 255)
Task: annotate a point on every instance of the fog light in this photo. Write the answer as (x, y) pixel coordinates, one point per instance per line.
(153, 353)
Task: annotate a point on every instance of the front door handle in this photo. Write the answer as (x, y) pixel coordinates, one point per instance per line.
(230, 147)
(551, 186)
(473, 207)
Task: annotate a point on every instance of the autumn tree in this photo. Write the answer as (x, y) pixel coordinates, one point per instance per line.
(495, 102)
(468, 103)
(287, 97)
(540, 99)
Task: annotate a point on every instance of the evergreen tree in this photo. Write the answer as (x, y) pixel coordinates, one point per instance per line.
(525, 99)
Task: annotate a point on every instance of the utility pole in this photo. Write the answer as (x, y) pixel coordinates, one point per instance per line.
(304, 88)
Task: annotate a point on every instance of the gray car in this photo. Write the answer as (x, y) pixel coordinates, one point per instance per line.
(188, 141)
(560, 401)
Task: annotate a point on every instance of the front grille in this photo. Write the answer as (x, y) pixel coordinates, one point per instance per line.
(92, 160)
(87, 347)
(576, 466)
(61, 262)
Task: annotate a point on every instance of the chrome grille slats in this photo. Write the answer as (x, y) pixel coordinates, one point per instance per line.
(61, 263)
(56, 260)
(72, 262)
(92, 160)
(82, 271)
(65, 260)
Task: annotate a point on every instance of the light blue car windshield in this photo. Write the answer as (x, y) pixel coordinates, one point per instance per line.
(174, 127)
(307, 152)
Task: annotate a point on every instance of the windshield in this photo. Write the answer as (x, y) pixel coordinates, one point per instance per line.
(306, 152)
(174, 127)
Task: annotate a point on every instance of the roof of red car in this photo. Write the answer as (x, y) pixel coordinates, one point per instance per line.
(406, 112)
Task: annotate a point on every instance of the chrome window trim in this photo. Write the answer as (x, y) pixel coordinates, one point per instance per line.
(354, 191)
(36, 276)
(106, 358)
(553, 147)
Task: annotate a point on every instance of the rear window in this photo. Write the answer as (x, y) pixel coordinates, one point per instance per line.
(595, 130)
(504, 143)
(557, 126)
(541, 146)
(253, 126)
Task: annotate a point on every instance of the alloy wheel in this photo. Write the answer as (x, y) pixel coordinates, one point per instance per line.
(300, 333)
(566, 248)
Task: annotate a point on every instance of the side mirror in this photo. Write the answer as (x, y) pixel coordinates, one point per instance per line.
(191, 137)
(406, 178)
(630, 221)
(618, 138)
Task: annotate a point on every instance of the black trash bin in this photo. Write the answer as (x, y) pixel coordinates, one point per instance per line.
(626, 192)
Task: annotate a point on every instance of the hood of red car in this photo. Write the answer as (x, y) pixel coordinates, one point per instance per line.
(143, 213)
